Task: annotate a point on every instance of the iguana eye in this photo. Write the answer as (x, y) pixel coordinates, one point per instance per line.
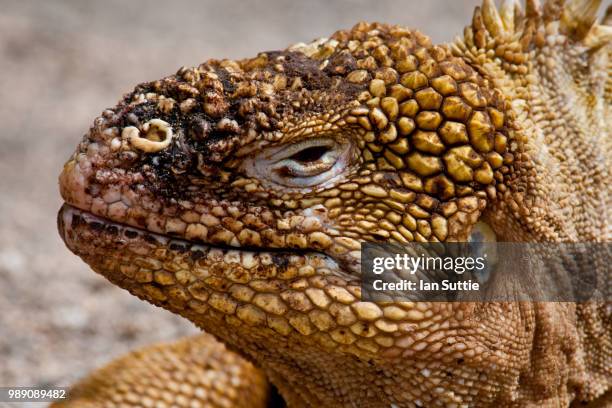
(310, 154)
(304, 164)
(306, 159)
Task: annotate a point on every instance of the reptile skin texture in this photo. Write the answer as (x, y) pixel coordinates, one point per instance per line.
(237, 195)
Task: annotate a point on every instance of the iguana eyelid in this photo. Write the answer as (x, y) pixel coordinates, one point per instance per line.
(292, 166)
(286, 152)
(279, 165)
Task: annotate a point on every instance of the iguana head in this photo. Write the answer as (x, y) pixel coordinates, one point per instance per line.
(238, 193)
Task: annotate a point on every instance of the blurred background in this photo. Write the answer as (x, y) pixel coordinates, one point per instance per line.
(61, 64)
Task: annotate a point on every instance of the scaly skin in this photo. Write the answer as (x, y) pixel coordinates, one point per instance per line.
(244, 208)
(195, 368)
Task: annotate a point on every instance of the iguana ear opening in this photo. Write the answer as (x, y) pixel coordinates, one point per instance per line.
(482, 232)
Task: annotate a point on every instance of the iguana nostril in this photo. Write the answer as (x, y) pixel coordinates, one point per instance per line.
(157, 136)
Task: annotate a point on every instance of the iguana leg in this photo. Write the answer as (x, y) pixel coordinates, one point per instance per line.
(192, 372)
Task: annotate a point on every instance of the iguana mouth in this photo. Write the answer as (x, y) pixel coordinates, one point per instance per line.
(97, 223)
(74, 224)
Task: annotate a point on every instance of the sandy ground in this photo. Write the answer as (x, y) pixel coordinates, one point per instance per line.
(61, 64)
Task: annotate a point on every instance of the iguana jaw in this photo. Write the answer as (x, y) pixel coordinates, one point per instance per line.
(83, 231)
(255, 303)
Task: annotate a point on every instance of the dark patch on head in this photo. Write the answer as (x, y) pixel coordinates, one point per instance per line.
(341, 63)
(203, 143)
(219, 144)
(164, 171)
(224, 77)
(198, 128)
(297, 64)
(138, 114)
